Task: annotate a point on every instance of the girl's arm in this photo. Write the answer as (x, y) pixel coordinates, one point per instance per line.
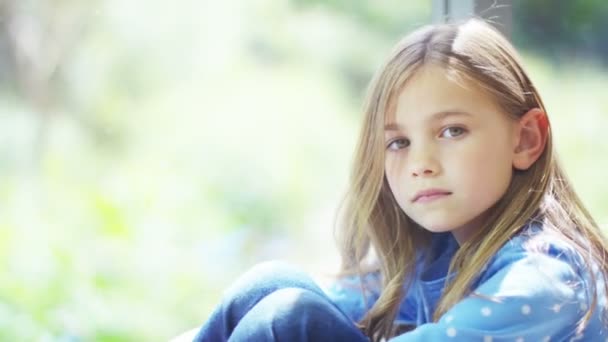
(346, 293)
(529, 297)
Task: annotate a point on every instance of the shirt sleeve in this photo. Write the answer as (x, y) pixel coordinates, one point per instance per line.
(346, 293)
(537, 297)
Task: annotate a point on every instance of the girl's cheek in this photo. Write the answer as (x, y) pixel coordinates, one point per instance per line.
(393, 164)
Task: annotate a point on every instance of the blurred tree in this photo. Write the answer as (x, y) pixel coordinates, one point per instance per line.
(561, 29)
(387, 17)
(36, 37)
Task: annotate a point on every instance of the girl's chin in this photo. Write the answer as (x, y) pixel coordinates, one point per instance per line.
(438, 228)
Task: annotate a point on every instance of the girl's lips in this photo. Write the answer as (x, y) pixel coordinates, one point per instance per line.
(426, 199)
(430, 195)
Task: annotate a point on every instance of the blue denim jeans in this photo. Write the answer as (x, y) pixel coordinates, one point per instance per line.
(275, 302)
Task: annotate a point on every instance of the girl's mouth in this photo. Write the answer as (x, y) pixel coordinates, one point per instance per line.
(430, 195)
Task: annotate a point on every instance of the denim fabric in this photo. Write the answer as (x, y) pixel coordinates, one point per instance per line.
(275, 302)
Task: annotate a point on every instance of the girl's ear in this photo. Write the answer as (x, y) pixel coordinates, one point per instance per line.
(532, 130)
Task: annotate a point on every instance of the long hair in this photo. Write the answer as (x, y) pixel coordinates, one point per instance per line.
(371, 221)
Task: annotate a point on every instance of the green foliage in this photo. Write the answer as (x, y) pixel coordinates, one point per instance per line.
(562, 28)
(389, 17)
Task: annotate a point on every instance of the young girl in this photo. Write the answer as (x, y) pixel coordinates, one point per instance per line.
(459, 224)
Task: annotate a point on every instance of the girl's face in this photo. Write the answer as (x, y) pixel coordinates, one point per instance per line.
(449, 152)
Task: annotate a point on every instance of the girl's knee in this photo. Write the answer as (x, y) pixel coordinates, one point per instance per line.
(271, 269)
(267, 277)
(289, 308)
(301, 314)
(295, 302)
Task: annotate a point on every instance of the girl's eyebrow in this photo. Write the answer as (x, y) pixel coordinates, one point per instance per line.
(392, 126)
(446, 113)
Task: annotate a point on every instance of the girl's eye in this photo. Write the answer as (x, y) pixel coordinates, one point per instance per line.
(398, 144)
(453, 132)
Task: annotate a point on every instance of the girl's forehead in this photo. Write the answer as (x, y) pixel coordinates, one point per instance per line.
(433, 84)
(433, 89)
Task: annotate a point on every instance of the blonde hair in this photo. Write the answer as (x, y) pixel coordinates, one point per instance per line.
(372, 221)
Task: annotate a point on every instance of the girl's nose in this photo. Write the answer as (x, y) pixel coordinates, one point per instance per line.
(423, 163)
(426, 172)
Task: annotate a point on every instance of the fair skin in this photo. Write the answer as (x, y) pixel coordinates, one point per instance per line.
(451, 152)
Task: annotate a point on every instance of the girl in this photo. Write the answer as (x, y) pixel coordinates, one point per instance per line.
(459, 223)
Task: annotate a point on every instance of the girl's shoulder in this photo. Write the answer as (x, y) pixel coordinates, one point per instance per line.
(535, 242)
(550, 257)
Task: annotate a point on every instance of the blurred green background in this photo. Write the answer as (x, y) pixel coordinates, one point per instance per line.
(150, 151)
